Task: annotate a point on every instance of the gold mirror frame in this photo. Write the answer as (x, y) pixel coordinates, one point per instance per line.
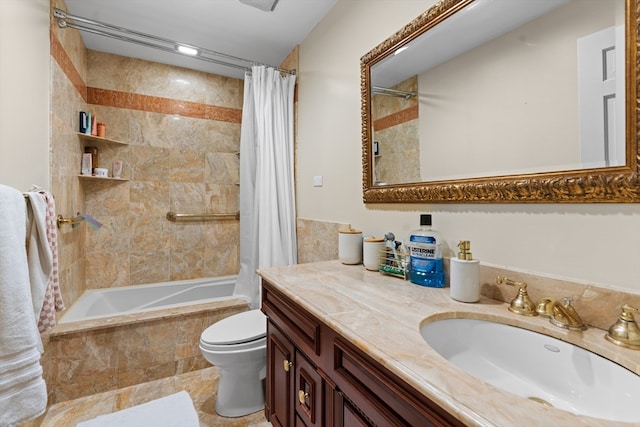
(603, 185)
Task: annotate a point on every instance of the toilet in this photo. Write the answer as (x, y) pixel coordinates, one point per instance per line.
(238, 346)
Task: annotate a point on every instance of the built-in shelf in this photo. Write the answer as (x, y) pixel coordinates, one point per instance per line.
(88, 137)
(102, 178)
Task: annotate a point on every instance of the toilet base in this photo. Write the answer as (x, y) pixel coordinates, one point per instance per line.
(239, 393)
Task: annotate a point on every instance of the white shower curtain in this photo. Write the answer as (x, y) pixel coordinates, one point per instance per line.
(267, 196)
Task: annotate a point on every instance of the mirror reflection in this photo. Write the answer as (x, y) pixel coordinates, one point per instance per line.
(501, 88)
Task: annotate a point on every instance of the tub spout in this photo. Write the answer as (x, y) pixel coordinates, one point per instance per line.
(562, 315)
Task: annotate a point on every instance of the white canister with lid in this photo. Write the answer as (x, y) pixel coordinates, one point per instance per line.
(350, 246)
(371, 252)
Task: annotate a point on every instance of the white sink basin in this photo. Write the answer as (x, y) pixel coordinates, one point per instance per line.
(538, 367)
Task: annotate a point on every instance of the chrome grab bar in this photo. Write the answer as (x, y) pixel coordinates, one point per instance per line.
(174, 217)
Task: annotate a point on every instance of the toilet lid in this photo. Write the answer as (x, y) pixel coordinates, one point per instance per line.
(243, 327)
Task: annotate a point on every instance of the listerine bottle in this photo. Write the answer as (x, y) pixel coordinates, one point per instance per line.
(425, 255)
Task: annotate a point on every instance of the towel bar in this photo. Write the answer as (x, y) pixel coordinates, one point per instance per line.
(60, 220)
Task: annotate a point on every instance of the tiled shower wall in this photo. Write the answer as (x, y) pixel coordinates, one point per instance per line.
(68, 96)
(182, 128)
(395, 127)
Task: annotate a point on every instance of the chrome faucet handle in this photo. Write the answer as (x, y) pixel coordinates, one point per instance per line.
(625, 331)
(521, 304)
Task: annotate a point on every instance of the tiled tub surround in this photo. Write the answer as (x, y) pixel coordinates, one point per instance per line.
(105, 354)
(381, 316)
(68, 97)
(395, 127)
(183, 131)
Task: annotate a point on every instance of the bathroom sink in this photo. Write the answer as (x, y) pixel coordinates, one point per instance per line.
(538, 367)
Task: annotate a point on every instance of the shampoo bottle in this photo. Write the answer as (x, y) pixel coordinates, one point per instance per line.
(465, 275)
(425, 255)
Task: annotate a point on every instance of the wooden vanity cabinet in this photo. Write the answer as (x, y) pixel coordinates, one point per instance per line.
(316, 377)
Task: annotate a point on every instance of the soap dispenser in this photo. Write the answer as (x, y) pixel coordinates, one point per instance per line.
(465, 275)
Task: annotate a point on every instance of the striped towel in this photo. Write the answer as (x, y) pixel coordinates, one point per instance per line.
(52, 298)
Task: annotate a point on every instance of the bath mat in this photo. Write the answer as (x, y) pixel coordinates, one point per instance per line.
(175, 410)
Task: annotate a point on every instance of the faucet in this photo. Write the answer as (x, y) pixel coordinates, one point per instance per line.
(521, 304)
(625, 331)
(562, 314)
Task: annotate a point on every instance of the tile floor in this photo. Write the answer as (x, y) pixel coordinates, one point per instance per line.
(201, 386)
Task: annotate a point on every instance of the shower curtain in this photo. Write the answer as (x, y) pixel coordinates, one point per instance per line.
(267, 193)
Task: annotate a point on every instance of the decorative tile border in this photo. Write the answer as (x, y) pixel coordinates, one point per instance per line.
(394, 119)
(155, 104)
(62, 58)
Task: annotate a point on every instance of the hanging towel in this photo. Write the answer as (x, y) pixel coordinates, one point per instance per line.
(52, 297)
(39, 257)
(23, 393)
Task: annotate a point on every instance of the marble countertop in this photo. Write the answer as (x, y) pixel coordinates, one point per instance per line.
(382, 315)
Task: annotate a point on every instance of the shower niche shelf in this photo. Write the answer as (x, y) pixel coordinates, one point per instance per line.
(101, 178)
(109, 150)
(92, 138)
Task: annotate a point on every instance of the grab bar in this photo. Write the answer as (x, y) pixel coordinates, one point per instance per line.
(172, 216)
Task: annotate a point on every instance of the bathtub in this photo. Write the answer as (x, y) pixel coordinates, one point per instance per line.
(117, 337)
(107, 302)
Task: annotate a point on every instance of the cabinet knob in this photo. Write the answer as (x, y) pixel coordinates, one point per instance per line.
(302, 396)
(287, 365)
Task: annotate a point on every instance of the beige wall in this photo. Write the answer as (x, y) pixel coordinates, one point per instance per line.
(597, 244)
(24, 89)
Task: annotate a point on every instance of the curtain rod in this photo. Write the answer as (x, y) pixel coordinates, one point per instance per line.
(155, 42)
(379, 90)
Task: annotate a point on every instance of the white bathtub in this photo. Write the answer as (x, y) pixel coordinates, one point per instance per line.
(98, 303)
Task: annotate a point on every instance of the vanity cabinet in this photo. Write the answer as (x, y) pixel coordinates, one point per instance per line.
(317, 377)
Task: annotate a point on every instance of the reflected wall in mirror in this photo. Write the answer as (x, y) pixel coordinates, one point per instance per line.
(504, 101)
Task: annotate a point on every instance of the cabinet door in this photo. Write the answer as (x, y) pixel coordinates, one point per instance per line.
(308, 392)
(346, 415)
(280, 368)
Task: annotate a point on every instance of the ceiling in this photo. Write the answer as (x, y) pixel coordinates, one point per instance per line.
(225, 26)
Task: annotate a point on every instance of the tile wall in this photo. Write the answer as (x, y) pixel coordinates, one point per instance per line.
(395, 127)
(68, 96)
(182, 128)
(317, 240)
(102, 355)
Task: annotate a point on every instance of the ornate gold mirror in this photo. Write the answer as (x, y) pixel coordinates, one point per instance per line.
(485, 101)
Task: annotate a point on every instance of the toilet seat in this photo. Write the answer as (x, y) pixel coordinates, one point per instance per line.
(238, 332)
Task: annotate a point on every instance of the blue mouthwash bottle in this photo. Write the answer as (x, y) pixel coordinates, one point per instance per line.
(425, 260)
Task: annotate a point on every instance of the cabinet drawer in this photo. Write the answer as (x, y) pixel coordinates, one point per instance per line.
(380, 395)
(301, 327)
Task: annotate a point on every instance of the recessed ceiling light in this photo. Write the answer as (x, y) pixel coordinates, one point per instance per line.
(187, 50)
(266, 5)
